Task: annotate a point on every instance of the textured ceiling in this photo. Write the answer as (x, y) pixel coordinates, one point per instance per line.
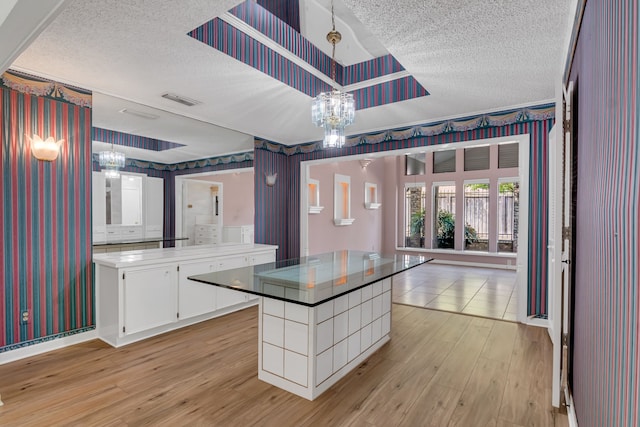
(472, 56)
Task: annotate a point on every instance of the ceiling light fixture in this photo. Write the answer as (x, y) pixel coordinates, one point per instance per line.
(111, 162)
(333, 110)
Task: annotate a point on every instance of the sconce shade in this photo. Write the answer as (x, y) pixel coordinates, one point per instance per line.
(46, 150)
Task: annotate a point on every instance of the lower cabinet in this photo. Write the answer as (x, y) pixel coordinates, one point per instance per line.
(149, 298)
(195, 298)
(135, 303)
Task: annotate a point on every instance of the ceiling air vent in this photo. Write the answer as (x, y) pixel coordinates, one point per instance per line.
(137, 113)
(181, 99)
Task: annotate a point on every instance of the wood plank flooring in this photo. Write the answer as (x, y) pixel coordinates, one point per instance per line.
(439, 369)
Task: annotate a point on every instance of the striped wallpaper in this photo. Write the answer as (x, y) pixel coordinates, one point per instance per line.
(228, 39)
(606, 329)
(45, 238)
(278, 209)
(130, 140)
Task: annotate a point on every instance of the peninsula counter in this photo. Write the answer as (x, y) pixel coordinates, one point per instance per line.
(143, 293)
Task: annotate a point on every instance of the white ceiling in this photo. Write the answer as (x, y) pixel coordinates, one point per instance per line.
(472, 56)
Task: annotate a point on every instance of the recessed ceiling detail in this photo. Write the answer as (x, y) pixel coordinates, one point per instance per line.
(130, 140)
(275, 59)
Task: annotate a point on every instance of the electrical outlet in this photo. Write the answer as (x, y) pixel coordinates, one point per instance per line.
(25, 316)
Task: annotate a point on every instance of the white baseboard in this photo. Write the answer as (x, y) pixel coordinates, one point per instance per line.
(474, 264)
(540, 323)
(43, 347)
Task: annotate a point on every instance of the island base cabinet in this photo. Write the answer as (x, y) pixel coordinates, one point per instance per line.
(305, 350)
(149, 298)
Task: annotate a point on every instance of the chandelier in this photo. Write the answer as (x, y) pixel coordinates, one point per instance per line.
(333, 110)
(111, 161)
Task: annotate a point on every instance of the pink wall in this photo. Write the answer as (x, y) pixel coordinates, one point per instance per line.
(366, 231)
(237, 190)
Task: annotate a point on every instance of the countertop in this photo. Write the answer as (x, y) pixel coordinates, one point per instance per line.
(141, 240)
(312, 280)
(165, 255)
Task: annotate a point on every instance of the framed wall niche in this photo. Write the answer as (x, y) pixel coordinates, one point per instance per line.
(342, 200)
(371, 196)
(314, 197)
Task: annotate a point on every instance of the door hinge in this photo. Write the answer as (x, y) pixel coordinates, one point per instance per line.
(178, 268)
(122, 276)
(178, 315)
(566, 233)
(124, 329)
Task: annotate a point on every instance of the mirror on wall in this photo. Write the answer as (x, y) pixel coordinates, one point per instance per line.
(124, 200)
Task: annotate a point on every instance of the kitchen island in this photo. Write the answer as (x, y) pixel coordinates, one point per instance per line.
(319, 316)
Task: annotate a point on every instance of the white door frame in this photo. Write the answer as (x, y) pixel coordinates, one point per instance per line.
(178, 182)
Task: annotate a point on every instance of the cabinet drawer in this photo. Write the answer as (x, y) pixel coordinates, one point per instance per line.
(206, 235)
(129, 232)
(206, 228)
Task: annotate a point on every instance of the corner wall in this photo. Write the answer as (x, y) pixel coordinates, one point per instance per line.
(45, 237)
(606, 361)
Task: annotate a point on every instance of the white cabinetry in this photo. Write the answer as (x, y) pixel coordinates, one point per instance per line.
(148, 294)
(154, 207)
(149, 298)
(195, 298)
(98, 207)
(237, 233)
(206, 234)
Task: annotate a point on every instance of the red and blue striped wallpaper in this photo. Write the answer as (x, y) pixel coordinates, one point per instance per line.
(278, 208)
(45, 237)
(606, 328)
(230, 40)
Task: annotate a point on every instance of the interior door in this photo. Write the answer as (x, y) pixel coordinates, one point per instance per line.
(568, 225)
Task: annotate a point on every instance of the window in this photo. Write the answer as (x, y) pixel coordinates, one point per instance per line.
(476, 217)
(508, 207)
(444, 202)
(414, 208)
(444, 161)
(415, 164)
(476, 158)
(508, 155)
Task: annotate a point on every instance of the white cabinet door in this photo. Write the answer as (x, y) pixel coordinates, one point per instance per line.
(154, 206)
(263, 258)
(229, 297)
(98, 207)
(195, 298)
(150, 298)
(227, 263)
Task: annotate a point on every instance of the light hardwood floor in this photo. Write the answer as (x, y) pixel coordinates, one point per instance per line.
(439, 369)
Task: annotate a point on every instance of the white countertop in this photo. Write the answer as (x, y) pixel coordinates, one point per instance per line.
(165, 255)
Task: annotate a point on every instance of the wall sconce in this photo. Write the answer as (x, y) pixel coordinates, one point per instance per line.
(46, 150)
(365, 162)
(271, 179)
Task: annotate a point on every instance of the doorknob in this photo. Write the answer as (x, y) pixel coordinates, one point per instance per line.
(566, 261)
